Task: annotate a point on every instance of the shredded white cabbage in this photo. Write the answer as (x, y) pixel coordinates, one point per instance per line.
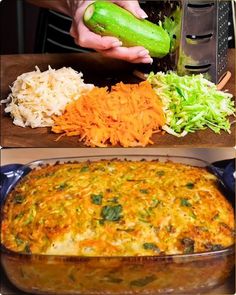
(36, 96)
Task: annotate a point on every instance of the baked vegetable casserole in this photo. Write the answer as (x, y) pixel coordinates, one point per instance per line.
(117, 208)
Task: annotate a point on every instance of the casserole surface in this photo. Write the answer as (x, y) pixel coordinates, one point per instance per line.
(117, 208)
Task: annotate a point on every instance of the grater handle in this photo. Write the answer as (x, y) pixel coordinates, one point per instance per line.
(224, 80)
(140, 75)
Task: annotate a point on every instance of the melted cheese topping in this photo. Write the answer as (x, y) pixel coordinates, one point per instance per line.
(117, 208)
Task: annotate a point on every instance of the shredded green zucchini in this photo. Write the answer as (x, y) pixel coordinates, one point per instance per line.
(192, 103)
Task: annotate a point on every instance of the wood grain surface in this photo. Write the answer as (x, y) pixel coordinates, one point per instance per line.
(100, 71)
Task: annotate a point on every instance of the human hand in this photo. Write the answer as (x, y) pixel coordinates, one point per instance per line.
(108, 46)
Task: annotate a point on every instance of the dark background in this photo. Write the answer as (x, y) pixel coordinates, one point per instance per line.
(13, 39)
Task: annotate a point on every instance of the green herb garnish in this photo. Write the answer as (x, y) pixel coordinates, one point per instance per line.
(18, 199)
(19, 241)
(96, 199)
(31, 215)
(61, 186)
(160, 173)
(193, 215)
(217, 247)
(20, 215)
(151, 246)
(190, 185)
(29, 219)
(188, 245)
(111, 213)
(213, 247)
(101, 221)
(84, 169)
(185, 202)
(27, 249)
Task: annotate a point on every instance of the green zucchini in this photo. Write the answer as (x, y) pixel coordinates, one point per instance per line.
(108, 19)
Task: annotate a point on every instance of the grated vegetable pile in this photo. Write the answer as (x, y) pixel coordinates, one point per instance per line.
(192, 103)
(127, 115)
(36, 96)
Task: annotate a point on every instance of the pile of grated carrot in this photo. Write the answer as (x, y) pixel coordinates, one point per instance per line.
(127, 115)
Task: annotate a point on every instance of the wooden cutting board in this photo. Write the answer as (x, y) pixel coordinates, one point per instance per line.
(102, 72)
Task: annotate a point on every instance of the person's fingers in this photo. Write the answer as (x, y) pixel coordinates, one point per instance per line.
(86, 38)
(133, 7)
(143, 60)
(108, 45)
(135, 54)
(73, 31)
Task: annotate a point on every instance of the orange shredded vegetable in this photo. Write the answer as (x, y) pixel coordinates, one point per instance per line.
(127, 115)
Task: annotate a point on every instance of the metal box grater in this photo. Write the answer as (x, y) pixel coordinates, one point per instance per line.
(204, 38)
(202, 43)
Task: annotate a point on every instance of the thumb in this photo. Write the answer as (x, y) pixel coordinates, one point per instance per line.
(133, 7)
(73, 31)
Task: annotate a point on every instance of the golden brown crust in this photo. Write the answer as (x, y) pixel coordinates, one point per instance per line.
(117, 208)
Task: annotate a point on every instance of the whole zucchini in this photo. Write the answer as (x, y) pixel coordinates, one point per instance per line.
(108, 19)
